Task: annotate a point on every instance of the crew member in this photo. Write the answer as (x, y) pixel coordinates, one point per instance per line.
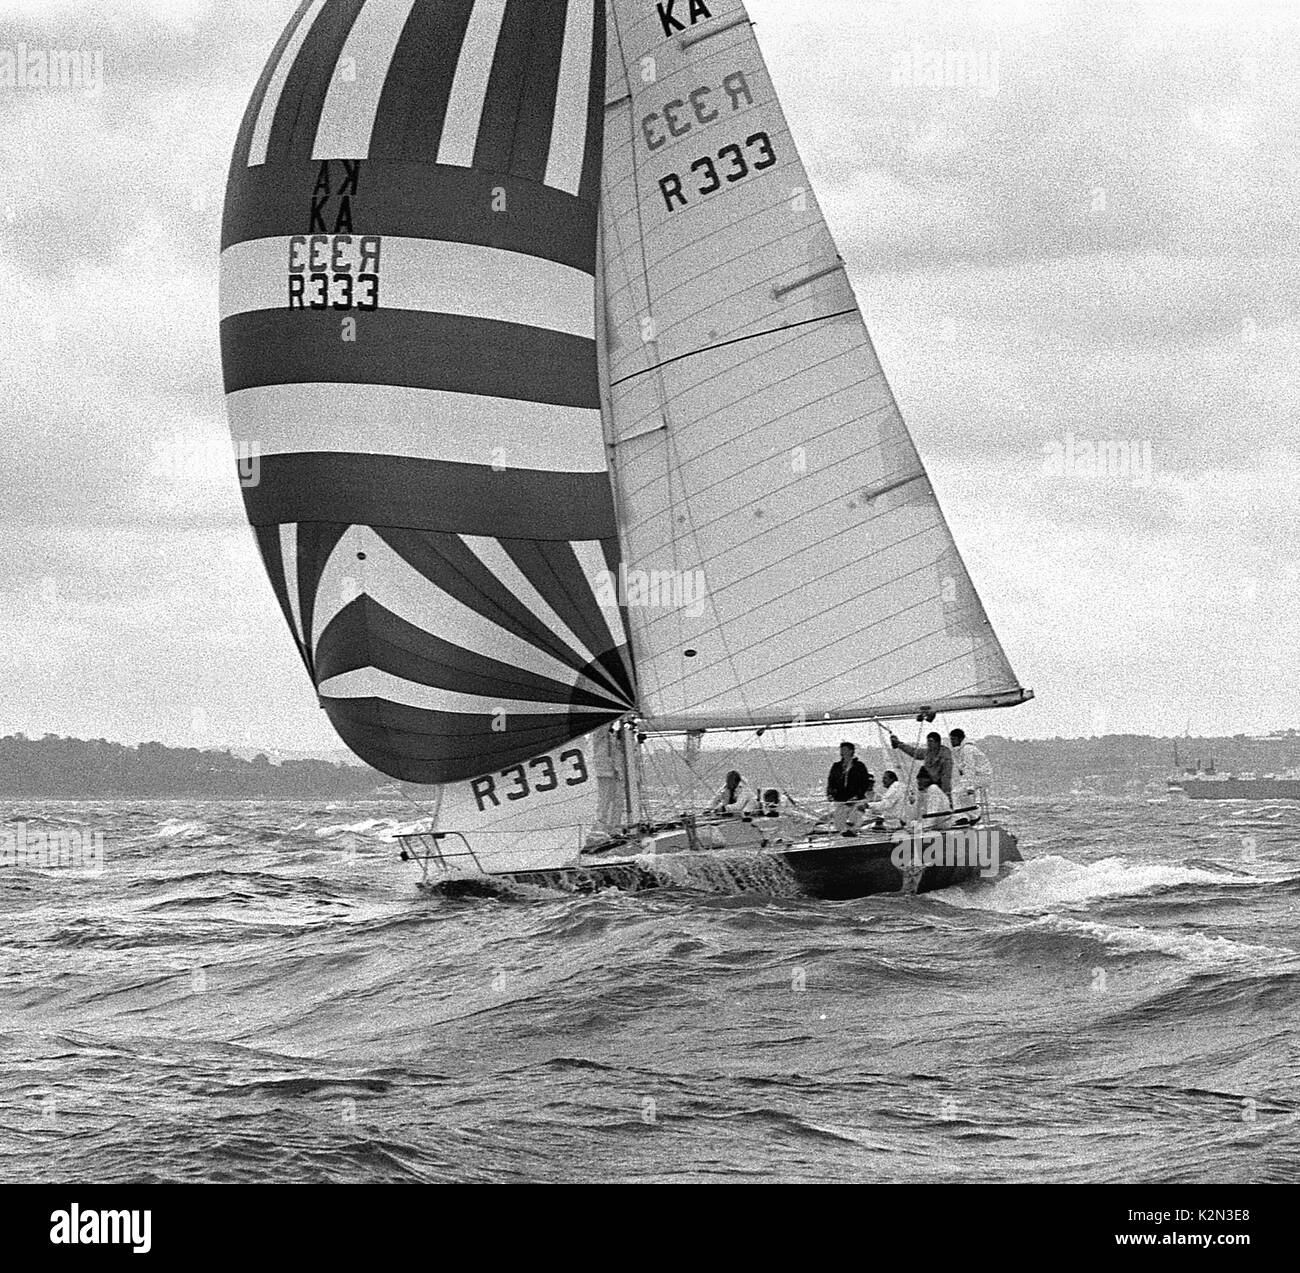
(606, 765)
(972, 772)
(848, 786)
(891, 808)
(932, 804)
(735, 798)
(935, 757)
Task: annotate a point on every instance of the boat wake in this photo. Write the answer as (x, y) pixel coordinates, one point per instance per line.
(1054, 883)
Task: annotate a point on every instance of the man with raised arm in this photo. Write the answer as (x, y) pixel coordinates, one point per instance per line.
(935, 758)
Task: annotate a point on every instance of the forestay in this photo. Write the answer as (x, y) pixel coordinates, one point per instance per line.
(754, 435)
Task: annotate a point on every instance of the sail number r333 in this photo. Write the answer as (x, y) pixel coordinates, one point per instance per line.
(536, 778)
(731, 164)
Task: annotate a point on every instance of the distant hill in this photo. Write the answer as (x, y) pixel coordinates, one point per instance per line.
(279, 755)
(53, 768)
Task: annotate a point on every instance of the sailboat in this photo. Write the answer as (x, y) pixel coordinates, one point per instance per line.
(573, 452)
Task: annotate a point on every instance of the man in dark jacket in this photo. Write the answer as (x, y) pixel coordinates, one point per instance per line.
(848, 786)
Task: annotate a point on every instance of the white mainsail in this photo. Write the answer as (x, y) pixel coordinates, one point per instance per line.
(753, 435)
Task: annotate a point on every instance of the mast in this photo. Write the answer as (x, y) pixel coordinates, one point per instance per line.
(633, 775)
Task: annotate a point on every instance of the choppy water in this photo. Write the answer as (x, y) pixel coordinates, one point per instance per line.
(256, 992)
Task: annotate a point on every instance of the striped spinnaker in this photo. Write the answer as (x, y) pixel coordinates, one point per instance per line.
(408, 261)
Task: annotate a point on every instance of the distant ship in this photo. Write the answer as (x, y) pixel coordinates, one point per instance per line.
(1216, 786)
(1208, 784)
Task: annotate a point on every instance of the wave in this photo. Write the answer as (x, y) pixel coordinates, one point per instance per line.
(380, 828)
(247, 963)
(1051, 883)
(1272, 998)
(40, 820)
(298, 1085)
(178, 829)
(1063, 935)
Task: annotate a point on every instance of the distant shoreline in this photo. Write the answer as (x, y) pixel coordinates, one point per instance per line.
(67, 769)
(88, 770)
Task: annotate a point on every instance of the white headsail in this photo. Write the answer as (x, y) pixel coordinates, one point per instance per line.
(753, 434)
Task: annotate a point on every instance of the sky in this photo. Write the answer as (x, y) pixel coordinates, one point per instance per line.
(1091, 241)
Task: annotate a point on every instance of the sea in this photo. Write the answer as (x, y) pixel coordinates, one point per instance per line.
(249, 992)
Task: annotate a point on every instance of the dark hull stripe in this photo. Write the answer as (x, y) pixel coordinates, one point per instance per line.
(418, 201)
(837, 872)
(365, 634)
(394, 490)
(293, 133)
(244, 140)
(554, 570)
(415, 745)
(407, 347)
(413, 106)
(448, 564)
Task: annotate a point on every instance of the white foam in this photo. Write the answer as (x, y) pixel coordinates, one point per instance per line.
(721, 871)
(176, 829)
(381, 827)
(1193, 947)
(1052, 883)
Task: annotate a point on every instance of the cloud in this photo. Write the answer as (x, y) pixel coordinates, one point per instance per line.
(139, 635)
